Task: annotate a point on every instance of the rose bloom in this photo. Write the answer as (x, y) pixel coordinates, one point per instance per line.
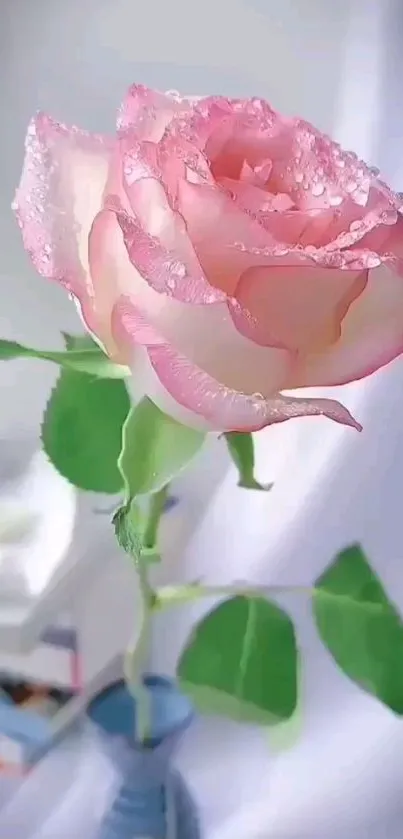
(224, 252)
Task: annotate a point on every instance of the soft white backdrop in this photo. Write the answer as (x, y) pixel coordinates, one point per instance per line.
(338, 64)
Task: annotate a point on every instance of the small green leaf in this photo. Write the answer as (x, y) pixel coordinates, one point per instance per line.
(242, 662)
(240, 446)
(82, 430)
(127, 530)
(360, 627)
(79, 342)
(80, 356)
(155, 448)
(129, 522)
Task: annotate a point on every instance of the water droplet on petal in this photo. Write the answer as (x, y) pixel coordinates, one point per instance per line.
(372, 261)
(334, 260)
(389, 216)
(318, 189)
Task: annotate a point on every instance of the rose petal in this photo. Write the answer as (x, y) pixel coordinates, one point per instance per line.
(256, 200)
(113, 273)
(211, 120)
(227, 356)
(295, 227)
(203, 117)
(186, 392)
(131, 327)
(144, 159)
(146, 113)
(371, 336)
(316, 172)
(234, 144)
(386, 238)
(223, 235)
(156, 237)
(122, 294)
(296, 307)
(196, 166)
(62, 183)
(175, 271)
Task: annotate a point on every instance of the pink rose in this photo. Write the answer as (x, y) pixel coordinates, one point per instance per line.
(224, 252)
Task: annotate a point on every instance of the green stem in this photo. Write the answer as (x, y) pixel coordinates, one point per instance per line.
(136, 661)
(136, 658)
(156, 508)
(168, 596)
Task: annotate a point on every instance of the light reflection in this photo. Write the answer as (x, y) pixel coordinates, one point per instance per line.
(37, 517)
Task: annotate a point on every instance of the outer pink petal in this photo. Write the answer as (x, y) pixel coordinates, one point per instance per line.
(145, 160)
(222, 408)
(206, 336)
(386, 240)
(371, 336)
(296, 307)
(185, 391)
(146, 113)
(114, 275)
(62, 183)
(164, 257)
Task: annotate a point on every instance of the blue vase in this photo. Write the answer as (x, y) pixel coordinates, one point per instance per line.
(152, 801)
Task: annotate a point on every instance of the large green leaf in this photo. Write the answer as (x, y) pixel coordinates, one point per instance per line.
(155, 448)
(240, 447)
(360, 627)
(81, 355)
(286, 734)
(82, 430)
(242, 662)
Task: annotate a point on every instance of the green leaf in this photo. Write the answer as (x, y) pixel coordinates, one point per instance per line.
(128, 530)
(130, 522)
(155, 448)
(80, 356)
(360, 627)
(242, 662)
(82, 430)
(79, 342)
(240, 446)
(286, 734)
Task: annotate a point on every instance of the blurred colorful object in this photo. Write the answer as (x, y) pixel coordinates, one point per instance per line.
(29, 711)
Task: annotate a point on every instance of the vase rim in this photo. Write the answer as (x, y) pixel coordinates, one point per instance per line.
(172, 711)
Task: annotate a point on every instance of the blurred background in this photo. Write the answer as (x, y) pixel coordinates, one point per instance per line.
(340, 66)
